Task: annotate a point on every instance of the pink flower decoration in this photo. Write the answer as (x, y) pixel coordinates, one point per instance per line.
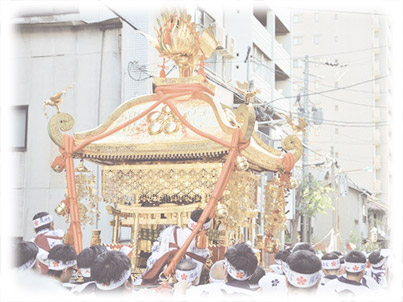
(240, 275)
(184, 277)
(55, 263)
(333, 263)
(355, 267)
(301, 280)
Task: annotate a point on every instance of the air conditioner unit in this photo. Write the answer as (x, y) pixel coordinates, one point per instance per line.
(220, 37)
(231, 46)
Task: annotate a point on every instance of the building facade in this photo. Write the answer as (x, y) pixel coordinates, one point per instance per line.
(346, 59)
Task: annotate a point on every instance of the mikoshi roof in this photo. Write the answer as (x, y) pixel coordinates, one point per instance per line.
(161, 136)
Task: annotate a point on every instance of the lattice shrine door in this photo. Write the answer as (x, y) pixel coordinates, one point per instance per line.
(148, 198)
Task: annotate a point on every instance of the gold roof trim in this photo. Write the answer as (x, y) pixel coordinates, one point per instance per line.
(114, 116)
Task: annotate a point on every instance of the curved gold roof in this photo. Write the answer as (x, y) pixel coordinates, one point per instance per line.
(171, 139)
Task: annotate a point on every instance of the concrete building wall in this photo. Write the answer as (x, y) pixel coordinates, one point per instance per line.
(46, 60)
(352, 216)
(337, 35)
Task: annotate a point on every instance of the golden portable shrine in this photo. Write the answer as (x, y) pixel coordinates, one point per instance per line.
(165, 154)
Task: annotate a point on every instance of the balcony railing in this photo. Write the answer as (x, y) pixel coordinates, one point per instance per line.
(261, 37)
(264, 86)
(282, 58)
(284, 16)
(282, 103)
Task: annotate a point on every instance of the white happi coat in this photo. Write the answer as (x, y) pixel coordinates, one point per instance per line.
(221, 290)
(273, 284)
(161, 246)
(347, 288)
(378, 275)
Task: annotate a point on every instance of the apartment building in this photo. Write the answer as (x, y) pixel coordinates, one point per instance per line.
(347, 59)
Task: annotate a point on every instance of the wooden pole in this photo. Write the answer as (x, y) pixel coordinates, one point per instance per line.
(215, 196)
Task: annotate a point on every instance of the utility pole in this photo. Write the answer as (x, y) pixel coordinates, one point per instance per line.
(333, 183)
(247, 59)
(305, 221)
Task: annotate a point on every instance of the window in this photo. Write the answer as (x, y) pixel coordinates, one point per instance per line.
(297, 18)
(316, 17)
(297, 40)
(316, 39)
(20, 122)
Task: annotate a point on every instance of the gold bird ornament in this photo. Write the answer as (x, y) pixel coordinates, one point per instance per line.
(301, 123)
(243, 88)
(54, 101)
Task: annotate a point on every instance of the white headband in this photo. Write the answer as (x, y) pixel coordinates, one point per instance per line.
(379, 264)
(116, 284)
(189, 276)
(354, 267)
(301, 280)
(28, 265)
(192, 224)
(38, 222)
(59, 265)
(331, 263)
(85, 272)
(234, 273)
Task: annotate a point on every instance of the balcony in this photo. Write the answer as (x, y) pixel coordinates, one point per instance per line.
(264, 86)
(282, 58)
(262, 38)
(282, 103)
(284, 16)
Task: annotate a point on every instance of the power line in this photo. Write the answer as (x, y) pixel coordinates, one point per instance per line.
(354, 138)
(331, 90)
(340, 12)
(342, 52)
(320, 93)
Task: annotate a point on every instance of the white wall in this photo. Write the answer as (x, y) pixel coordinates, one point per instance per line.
(47, 59)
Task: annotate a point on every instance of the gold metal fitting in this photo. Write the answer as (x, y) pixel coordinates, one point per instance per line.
(95, 237)
(81, 168)
(241, 163)
(61, 209)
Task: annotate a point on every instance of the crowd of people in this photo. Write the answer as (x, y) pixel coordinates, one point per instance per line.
(46, 263)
